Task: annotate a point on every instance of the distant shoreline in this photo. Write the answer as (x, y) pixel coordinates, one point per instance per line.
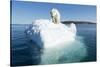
(78, 22)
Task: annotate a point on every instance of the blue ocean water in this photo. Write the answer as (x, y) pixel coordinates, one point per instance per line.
(25, 52)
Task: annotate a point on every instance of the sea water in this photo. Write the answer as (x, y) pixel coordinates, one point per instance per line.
(25, 52)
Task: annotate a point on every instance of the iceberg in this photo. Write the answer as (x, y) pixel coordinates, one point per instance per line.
(57, 40)
(46, 33)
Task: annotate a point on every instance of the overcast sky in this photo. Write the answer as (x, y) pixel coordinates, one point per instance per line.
(26, 12)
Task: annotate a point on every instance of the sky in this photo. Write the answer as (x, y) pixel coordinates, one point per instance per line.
(23, 12)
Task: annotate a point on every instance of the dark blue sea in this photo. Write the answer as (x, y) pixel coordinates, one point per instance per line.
(25, 52)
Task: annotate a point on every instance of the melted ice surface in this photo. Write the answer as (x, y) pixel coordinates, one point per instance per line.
(45, 32)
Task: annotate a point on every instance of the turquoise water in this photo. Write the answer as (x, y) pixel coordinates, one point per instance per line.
(25, 52)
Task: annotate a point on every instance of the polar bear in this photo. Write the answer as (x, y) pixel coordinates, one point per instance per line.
(55, 15)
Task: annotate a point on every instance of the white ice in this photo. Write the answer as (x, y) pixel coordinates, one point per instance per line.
(45, 32)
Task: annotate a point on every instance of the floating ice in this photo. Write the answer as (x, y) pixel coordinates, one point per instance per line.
(49, 34)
